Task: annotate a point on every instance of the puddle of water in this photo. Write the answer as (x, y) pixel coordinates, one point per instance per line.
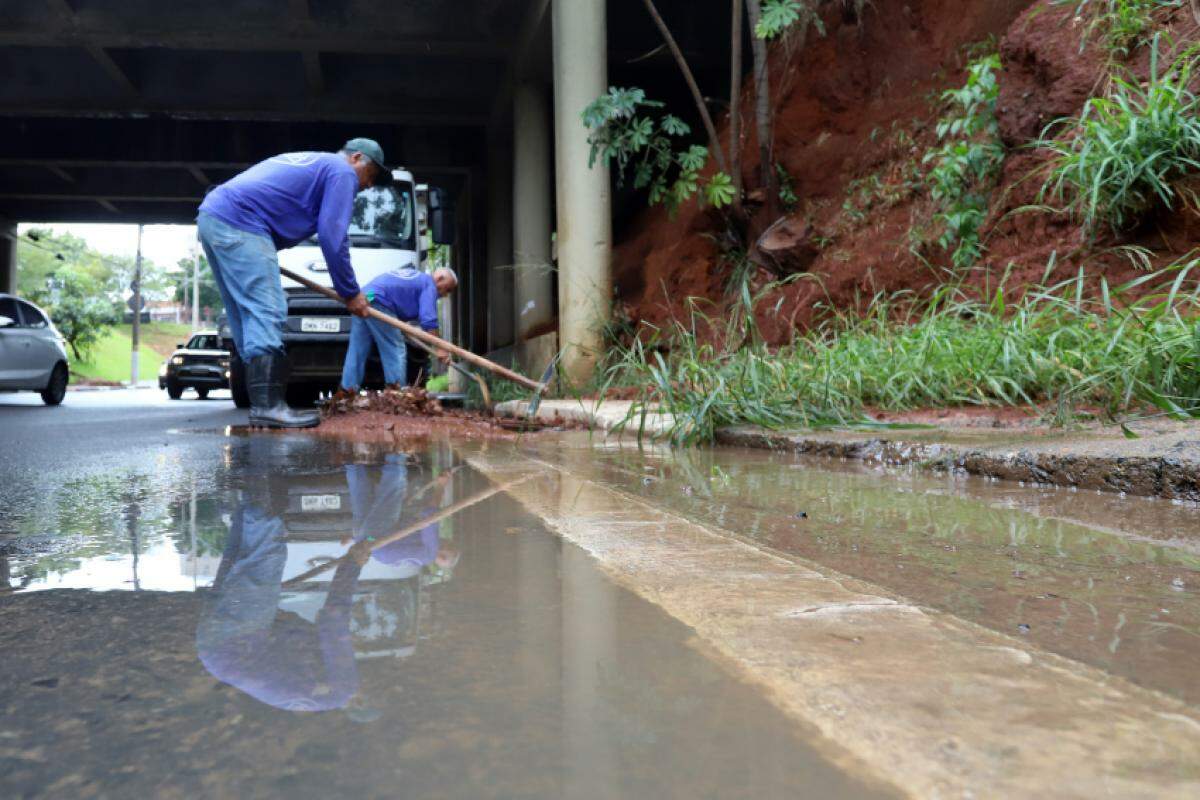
(1113, 582)
(226, 629)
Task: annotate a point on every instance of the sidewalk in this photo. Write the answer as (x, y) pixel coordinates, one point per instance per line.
(1163, 462)
(147, 384)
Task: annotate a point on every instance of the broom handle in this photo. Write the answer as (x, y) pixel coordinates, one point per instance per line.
(422, 336)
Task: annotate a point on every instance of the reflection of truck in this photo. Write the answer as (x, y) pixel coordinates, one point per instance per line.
(387, 230)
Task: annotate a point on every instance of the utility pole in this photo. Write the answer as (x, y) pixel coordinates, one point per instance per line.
(137, 309)
(196, 286)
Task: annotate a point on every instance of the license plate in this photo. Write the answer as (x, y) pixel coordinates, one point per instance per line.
(320, 324)
(321, 502)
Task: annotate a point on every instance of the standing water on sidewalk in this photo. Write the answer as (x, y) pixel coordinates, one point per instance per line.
(251, 626)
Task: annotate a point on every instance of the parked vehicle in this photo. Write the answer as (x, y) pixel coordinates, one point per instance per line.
(387, 231)
(33, 354)
(201, 364)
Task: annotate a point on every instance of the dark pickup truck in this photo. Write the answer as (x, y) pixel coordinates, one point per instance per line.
(201, 364)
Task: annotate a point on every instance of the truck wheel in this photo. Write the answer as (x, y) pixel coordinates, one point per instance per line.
(302, 395)
(174, 390)
(237, 383)
(202, 394)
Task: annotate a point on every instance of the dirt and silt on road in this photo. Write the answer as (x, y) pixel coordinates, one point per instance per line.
(616, 622)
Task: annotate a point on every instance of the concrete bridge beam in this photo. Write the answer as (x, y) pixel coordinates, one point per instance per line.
(8, 257)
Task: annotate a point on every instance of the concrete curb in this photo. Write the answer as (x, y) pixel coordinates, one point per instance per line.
(1161, 476)
(1164, 462)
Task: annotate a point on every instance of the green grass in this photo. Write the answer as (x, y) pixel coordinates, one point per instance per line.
(1122, 25)
(161, 337)
(109, 359)
(1127, 151)
(1054, 346)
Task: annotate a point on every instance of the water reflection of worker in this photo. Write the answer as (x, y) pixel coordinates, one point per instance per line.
(378, 509)
(278, 658)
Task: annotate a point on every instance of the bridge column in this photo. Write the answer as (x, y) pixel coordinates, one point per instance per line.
(8, 257)
(499, 242)
(582, 198)
(532, 209)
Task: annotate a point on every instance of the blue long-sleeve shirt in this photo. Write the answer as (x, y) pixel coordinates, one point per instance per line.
(289, 198)
(409, 294)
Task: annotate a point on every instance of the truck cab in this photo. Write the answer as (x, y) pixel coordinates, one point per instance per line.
(389, 229)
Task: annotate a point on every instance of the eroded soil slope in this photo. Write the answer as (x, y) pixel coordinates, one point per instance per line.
(856, 112)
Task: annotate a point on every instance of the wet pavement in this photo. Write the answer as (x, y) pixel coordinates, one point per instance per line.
(1112, 582)
(189, 609)
(228, 617)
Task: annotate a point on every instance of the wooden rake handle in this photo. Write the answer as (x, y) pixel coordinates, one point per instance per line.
(423, 336)
(448, 511)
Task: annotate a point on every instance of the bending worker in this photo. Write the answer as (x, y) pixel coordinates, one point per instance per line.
(411, 296)
(276, 204)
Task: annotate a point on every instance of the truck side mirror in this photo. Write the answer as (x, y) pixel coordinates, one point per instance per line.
(441, 216)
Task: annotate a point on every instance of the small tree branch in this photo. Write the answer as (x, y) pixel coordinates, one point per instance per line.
(715, 143)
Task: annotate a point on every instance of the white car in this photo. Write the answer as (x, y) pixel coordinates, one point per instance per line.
(33, 354)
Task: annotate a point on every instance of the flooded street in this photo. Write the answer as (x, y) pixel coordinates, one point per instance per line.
(164, 632)
(230, 614)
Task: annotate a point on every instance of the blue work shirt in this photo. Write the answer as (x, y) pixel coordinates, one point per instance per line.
(411, 295)
(289, 198)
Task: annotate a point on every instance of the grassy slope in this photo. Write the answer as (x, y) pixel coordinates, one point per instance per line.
(109, 359)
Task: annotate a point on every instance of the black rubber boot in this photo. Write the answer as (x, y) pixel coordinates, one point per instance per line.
(266, 382)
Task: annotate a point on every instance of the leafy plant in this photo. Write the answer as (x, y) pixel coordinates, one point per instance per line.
(966, 164)
(1122, 25)
(622, 131)
(787, 188)
(1127, 151)
(777, 16)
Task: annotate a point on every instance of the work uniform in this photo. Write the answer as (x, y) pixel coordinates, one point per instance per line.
(274, 205)
(407, 294)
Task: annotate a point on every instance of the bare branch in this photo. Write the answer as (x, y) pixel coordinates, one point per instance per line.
(715, 143)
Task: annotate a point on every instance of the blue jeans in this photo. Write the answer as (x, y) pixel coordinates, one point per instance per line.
(246, 269)
(393, 352)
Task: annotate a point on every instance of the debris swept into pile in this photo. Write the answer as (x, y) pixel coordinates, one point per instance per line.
(409, 401)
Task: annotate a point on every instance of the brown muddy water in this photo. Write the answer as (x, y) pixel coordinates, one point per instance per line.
(169, 631)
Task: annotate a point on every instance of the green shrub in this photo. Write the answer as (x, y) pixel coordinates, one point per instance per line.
(1126, 152)
(965, 166)
(621, 131)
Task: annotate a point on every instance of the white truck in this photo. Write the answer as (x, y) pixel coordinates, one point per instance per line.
(388, 229)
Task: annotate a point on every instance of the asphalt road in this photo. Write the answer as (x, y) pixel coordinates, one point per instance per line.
(101, 423)
(113, 432)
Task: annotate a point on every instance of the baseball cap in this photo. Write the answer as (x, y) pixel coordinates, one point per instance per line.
(371, 149)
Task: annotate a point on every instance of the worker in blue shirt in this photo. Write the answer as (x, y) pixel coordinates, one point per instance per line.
(277, 204)
(408, 294)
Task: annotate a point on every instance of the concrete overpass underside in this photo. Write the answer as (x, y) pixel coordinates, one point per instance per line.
(128, 110)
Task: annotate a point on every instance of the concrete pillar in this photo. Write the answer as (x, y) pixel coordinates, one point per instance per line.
(8, 257)
(533, 207)
(582, 198)
(499, 242)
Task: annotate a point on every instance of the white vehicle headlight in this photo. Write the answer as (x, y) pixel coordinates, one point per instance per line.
(177, 360)
(162, 369)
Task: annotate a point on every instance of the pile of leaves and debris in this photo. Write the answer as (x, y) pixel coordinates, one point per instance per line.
(409, 401)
